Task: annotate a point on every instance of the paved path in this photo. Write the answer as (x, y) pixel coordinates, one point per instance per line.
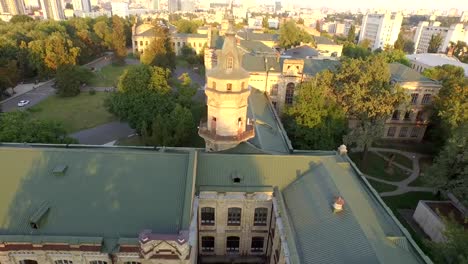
(402, 186)
(103, 134)
(196, 78)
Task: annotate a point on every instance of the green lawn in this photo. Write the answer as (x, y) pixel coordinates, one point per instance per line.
(408, 200)
(400, 159)
(423, 147)
(382, 187)
(108, 76)
(75, 113)
(376, 167)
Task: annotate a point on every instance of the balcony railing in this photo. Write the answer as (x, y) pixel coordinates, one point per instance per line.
(204, 132)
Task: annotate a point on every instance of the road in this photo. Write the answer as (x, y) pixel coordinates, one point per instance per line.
(103, 134)
(38, 94)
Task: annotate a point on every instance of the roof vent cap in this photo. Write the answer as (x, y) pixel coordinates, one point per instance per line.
(342, 150)
(38, 215)
(338, 205)
(60, 170)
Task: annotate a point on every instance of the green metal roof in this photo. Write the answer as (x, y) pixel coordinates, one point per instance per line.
(269, 134)
(403, 73)
(258, 36)
(256, 47)
(312, 67)
(324, 40)
(110, 193)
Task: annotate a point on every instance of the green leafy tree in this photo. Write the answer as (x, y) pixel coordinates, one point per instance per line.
(316, 121)
(395, 55)
(460, 50)
(455, 248)
(185, 90)
(290, 35)
(188, 26)
(400, 42)
(408, 47)
(18, 126)
(434, 43)
(21, 19)
(9, 76)
(171, 129)
(354, 51)
(69, 79)
(160, 51)
(450, 169)
(144, 78)
(365, 94)
(352, 34)
(119, 39)
(104, 33)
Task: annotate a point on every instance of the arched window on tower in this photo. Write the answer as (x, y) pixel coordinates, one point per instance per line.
(213, 85)
(289, 94)
(229, 63)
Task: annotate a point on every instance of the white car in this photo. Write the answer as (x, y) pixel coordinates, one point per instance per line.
(23, 103)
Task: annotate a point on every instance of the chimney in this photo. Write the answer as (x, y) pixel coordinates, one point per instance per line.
(342, 150)
(338, 205)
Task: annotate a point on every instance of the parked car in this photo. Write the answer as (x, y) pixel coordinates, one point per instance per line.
(23, 103)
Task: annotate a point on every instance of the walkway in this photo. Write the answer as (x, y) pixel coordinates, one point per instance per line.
(103, 134)
(402, 186)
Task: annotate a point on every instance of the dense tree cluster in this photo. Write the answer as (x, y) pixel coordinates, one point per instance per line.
(434, 43)
(30, 48)
(187, 26)
(160, 52)
(69, 78)
(290, 35)
(145, 99)
(359, 90)
(20, 127)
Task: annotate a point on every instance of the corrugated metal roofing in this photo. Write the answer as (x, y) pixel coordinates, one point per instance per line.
(403, 73)
(107, 193)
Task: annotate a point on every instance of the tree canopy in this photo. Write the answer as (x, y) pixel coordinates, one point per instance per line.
(69, 79)
(18, 126)
(316, 121)
(290, 35)
(434, 43)
(187, 26)
(118, 39)
(160, 52)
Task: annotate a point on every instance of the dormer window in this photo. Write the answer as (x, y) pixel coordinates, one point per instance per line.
(229, 63)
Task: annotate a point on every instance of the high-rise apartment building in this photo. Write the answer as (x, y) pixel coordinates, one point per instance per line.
(173, 5)
(381, 29)
(120, 9)
(52, 9)
(13, 7)
(427, 29)
(82, 5)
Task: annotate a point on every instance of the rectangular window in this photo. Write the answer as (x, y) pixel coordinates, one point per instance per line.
(396, 115)
(260, 216)
(141, 42)
(229, 63)
(63, 261)
(426, 99)
(146, 43)
(407, 116)
(414, 98)
(132, 262)
(208, 215)
(178, 44)
(232, 244)
(136, 43)
(229, 87)
(391, 131)
(234, 216)
(208, 243)
(403, 132)
(257, 244)
(420, 116)
(98, 262)
(415, 132)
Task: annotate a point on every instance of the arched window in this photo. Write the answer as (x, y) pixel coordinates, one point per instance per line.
(232, 244)
(207, 216)
(213, 85)
(229, 63)
(260, 216)
(243, 85)
(257, 244)
(289, 94)
(274, 90)
(208, 243)
(229, 87)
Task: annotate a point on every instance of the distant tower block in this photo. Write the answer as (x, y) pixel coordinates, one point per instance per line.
(227, 92)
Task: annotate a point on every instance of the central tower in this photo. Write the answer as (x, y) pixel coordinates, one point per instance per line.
(227, 91)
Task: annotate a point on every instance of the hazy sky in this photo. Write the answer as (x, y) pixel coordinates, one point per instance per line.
(387, 4)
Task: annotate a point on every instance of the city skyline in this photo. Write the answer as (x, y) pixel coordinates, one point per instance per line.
(363, 5)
